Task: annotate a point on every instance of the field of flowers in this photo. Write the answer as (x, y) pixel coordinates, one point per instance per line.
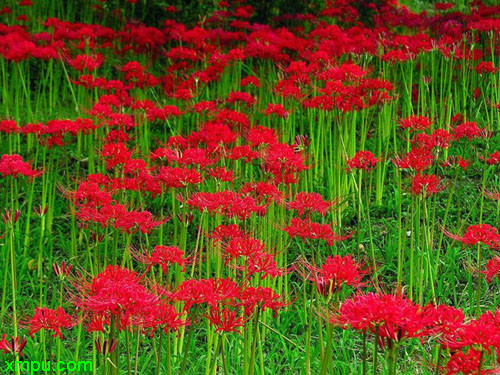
(315, 195)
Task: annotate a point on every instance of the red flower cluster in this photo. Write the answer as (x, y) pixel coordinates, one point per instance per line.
(164, 256)
(306, 203)
(364, 160)
(13, 165)
(50, 320)
(335, 272)
(394, 318)
(116, 292)
(478, 234)
(305, 228)
(226, 203)
(426, 184)
(414, 123)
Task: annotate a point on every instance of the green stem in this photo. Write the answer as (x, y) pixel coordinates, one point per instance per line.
(375, 351)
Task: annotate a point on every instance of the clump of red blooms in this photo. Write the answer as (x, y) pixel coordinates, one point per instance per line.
(393, 319)
(307, 203)
(364, 160)
(164, 256)
(483, 234)
(49, 320)
(307, 229)
(426, 184)
(13, 165)
(335, 272)
(492, 269)
(415, 123)
(130, 300)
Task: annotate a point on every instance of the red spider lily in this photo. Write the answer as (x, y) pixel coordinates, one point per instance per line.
(243, 152)
(99, 321)
(206, 105)
(364, 160)
(243, 246)
(394, 317)
(161, 316)
(305, 203)
(481, 333)
(89, 63)
(221, 174)
(261, 298)
(206, 291)
(260, 135)
(53, 131)
(226, 203)
(12, 346)
(90, 193)
(440, 138)
(119, 217)
(13, 165)
(415, 123)
(237, 96)
(446, 321)
(468, 130)
(8, 126)
(458, 118)
(223, 232)
(478, 234)
(50, 320)
(263, 263)
(492, 269)
(225, 320)
(154, 113)
(284, 162)
(212, 134)
(485, 67)
(263, 191)
(171, 152)
(417, 159)
(305, 228)
(250, 80)
(443, 6)
(494, 158)
(90, 82)
(135, 166)
(256, 258)
(276, 109)
(335, 272)
(115, 291)
(138, 76)
(163, 256)
(426, 184)
(175, 177)
(115, 154)
(467, 363)
(397, 55)
(233, 119)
